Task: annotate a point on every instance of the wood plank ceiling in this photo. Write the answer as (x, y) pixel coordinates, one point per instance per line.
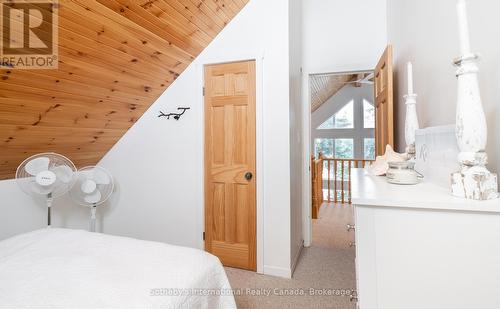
(116, 57)
(324, 86)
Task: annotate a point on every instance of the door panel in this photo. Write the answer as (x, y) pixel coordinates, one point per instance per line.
(230, 202)
(384, 106)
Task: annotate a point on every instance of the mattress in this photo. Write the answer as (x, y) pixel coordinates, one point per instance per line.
(60, 268)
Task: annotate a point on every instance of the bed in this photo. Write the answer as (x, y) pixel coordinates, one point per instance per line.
(60, 268)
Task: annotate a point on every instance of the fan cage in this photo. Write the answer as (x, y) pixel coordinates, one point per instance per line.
(26, 180)
(106, 190)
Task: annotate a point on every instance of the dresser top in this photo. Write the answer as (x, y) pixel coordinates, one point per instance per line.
(369, 190)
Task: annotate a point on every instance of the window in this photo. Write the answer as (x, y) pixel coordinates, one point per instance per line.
(369, 148)
(343, 119)
(338, 142)
(368, 115)
(323, 145)
(344, 148)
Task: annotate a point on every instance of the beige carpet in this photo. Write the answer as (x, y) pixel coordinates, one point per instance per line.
(327, 264)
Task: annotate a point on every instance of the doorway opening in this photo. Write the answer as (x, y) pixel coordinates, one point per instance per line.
(342, 137)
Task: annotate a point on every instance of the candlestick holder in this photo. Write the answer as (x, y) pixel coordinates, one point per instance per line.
(473, 180)
(411, 124)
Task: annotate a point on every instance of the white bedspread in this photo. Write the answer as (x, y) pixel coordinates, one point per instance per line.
(71, 269)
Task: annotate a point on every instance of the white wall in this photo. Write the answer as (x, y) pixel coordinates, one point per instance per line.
(338, 36)
(425, 32)
(333, 105)
(296, 141)
(343, 35)
(20, 213)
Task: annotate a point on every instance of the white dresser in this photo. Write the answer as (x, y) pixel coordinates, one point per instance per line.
(417, 247)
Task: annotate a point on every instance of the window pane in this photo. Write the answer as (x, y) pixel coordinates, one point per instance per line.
(368, 115)
(343, 119)
(344, 148)
(369, 148)
(329, 124)
(323, 145)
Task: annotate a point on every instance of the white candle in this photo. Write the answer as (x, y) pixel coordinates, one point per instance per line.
(463, 27)
(410, 78)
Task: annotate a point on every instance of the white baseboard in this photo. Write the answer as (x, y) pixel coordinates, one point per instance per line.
(282, 271)
(297, 256)
(278, 271)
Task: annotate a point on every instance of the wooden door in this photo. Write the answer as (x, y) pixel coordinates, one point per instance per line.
(230, 201)
(384, 106)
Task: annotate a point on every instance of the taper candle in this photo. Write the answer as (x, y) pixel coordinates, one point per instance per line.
(463, 27)
(410, 78)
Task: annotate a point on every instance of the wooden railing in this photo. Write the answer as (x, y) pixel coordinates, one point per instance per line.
(334, 176)
(339, 183)
(317, 185)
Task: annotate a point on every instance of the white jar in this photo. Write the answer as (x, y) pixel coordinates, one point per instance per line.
(402, 173)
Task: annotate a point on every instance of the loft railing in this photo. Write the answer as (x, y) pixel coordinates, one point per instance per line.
(317, 184)
(331, 180)
(337, 178)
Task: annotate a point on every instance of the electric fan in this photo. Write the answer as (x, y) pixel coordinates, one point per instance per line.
(94, 185)
(47, 174)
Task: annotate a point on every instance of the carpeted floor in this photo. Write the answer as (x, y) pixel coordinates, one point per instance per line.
(327, 264)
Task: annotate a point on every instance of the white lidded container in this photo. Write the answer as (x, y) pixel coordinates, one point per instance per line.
(402, 173)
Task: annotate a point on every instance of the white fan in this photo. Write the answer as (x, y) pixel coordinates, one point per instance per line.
(93, 187)
(47, 174)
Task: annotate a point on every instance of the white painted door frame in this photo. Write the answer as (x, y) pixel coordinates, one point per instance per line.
(259, 134)
(306, 164)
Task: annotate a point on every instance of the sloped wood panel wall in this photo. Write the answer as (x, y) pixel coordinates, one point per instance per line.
(323, 87)
(116, 57)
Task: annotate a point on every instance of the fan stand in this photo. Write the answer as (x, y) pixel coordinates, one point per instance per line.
(49, 206)
(93, 211)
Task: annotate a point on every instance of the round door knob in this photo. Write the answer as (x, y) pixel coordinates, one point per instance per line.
(248, 175)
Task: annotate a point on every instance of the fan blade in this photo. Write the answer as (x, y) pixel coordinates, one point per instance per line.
(93, 198)
(100, 177)
(88, 186)
(64, 173)
(37, 165)
(39, 189)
